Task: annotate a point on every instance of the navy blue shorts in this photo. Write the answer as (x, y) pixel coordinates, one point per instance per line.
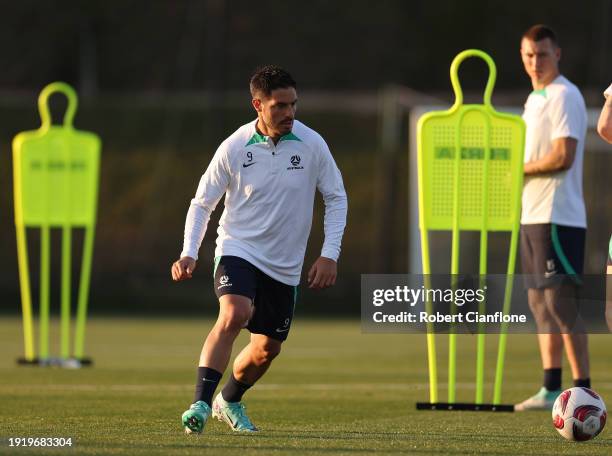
(551, 254)
(274, 301)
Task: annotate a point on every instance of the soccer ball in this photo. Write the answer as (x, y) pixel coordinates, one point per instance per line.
(579, 414)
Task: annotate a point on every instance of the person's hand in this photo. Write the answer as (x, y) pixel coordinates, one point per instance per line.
(323, 273)
(183, 269)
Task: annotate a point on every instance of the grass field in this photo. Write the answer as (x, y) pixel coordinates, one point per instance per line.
(333, 391)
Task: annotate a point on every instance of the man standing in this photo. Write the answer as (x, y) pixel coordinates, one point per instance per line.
(268, 170)
(553, 221)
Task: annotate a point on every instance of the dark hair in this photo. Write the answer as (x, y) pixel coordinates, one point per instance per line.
(540, 32)
(268, 78)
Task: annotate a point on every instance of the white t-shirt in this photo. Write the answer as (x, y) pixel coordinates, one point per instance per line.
(558, 111)
(608, 91)
(269, 197)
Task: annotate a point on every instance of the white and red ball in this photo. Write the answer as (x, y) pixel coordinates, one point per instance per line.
(579, 414)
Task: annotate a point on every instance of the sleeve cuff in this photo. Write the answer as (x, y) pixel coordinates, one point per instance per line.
(186, 253)
(332, 254)
(564, 134)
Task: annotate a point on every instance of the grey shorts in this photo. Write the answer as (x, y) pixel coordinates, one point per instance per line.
(551, 254)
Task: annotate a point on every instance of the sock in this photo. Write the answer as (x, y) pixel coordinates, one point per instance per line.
(552, 379)
(233, 390)
(586, 382)
(206, 384)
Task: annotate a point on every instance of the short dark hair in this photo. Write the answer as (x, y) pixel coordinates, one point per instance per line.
(268, 78)
(540, 32)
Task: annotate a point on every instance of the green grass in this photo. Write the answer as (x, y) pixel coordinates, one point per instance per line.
(333, 391)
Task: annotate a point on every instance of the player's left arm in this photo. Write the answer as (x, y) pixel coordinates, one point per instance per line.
(568, 121)
(604, 125)
(324, 271)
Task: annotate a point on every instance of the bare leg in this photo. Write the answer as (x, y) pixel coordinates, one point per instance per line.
(551, 350)
(255, 359)
(562, 304)
(577, 350)
(250, 364)
(234, 313)
(550, 341)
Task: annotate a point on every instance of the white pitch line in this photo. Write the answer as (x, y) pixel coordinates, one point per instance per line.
(272, 387)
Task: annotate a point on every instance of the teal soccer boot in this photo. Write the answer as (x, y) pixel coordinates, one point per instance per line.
(195, 418)
(543, 400)
(233, 413)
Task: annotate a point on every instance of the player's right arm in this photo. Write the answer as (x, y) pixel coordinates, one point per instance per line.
(559, 158)
(183, 268)
(212, 186)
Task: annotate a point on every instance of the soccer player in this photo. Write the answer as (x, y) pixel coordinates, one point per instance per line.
(553, 220)
(268, 170)
(604, 126)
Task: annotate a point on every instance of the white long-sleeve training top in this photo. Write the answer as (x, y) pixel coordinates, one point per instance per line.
(269, 198)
